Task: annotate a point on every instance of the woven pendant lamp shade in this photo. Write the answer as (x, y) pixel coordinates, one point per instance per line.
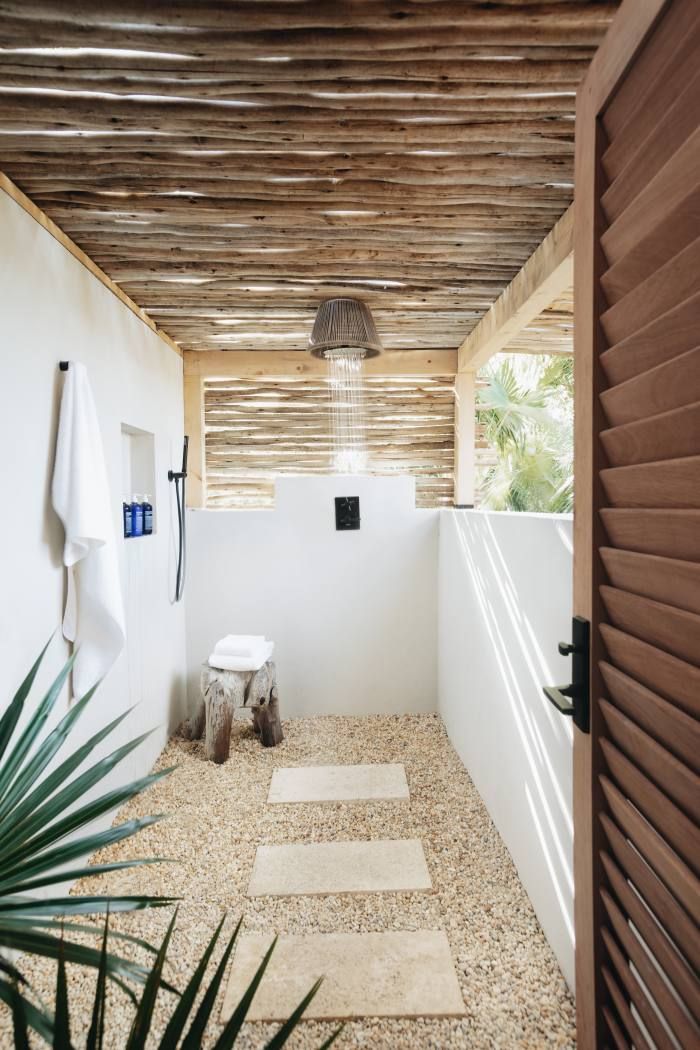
(344, 324)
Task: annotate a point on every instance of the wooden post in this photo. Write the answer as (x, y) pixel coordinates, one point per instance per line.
(465, 438)
(194, 427)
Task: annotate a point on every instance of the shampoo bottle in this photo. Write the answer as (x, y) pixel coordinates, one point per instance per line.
(136, 516)
(126, 514)
(147, 515)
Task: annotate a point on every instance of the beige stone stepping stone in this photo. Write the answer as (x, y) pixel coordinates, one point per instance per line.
(339, 783)
(365, 975)
(339, 867)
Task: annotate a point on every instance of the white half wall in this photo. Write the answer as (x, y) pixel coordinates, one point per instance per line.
(52, 308)
(505, 601)
(353, 614)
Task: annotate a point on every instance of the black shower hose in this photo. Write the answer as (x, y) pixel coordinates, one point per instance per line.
(181, 562)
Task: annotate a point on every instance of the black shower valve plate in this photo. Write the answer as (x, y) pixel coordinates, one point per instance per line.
(347, 513)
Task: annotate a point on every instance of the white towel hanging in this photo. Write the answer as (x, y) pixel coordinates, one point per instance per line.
(94, 615)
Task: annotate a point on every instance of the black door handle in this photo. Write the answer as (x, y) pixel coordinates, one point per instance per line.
(574, 699)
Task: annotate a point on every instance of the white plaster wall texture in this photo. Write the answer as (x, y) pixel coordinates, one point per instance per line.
(52, 308)
(505, 601)
(353, 614)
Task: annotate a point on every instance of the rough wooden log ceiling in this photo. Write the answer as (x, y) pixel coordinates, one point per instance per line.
(550, 333)
(230, 164)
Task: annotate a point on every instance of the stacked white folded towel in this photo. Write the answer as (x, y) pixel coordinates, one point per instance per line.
(241, 652)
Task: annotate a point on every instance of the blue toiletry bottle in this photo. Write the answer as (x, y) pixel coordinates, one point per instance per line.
(147, 515)
(136, 516)
(126, 514)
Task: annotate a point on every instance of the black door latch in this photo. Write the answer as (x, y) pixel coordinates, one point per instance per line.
(574, 699)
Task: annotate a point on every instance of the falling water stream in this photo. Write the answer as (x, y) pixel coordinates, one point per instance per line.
(347, 411)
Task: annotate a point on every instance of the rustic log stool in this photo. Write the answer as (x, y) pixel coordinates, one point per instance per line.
(221, 692)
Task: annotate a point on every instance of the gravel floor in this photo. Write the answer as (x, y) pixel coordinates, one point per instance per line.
(514, 992)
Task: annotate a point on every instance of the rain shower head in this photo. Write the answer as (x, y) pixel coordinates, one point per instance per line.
(344, 326)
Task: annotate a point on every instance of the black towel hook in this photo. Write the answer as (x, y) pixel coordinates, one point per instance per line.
(63, 365)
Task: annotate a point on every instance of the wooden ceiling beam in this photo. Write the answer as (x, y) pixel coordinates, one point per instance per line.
(535, 64)
(241, 364)
(544, 277)
(163, 15)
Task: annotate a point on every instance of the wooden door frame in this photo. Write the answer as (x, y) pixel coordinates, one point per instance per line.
(632, 24)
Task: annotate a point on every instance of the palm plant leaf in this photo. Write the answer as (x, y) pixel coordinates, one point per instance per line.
(193, 1039)
(16, 879)
(281, 1037)
(25, 812)
(35, 942)
(526, 413)
(30, 772)
(39, 812)
(176, 1024)
(89, 928)
(10, 718)
(21, 748)
(35, 848)
(70, 875)
(28, 907)
(144, 1014)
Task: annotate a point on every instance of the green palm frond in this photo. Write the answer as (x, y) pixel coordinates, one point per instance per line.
(46, 834)
(527, 413)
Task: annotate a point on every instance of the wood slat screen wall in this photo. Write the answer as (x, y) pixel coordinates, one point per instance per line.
(647, 724)
(257, 429)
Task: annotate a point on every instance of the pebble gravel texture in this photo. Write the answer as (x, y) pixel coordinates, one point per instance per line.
(514, 992)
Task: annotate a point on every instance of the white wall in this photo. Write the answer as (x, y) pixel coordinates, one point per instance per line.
(52, 308)
(504, 603)
(353, 614)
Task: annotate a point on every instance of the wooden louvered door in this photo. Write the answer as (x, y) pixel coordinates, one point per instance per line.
(637, 530)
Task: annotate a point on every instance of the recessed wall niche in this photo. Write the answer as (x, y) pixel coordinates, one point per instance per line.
(139, 466)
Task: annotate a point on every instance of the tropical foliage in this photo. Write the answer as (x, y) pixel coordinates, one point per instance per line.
(46, 832)
(526, 409)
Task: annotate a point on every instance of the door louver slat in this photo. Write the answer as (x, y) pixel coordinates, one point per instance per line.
(661, 672)
(624, 1012)
(672, 825)
(672, 871)
(671, 776)
(663, 141)
(666, 580)
(647, 212)
(635, 992)
(659, 68)
(664, 626)
(666, 287)
(664, 338)
(639, 442)
(670, 385)
(667, 533)
(664, 483)
(655, 895)
(664, 722)
(683, 1028)
(672, 962)
(615, 1030)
